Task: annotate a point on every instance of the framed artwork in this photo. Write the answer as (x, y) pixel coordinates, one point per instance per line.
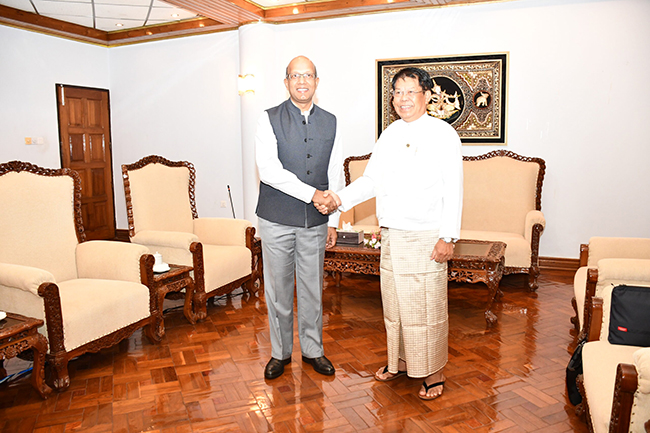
(469, 93)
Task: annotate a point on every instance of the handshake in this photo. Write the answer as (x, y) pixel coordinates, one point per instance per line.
(326, 201)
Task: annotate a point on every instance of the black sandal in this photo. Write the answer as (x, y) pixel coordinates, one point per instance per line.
(393, 377)
(428, 387)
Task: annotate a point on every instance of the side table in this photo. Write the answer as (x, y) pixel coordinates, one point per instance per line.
(17, 334)
(174, 280)
(479, 261)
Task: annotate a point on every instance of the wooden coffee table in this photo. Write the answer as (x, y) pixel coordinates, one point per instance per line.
(479, 261)
(357, 259)
(17, 334)
(473, 261)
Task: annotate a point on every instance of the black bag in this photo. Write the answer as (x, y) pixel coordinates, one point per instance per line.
(629, 318)
(573, 369)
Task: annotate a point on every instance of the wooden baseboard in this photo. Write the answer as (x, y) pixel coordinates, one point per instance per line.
(122, 235)
(545, 263)
(559, 264)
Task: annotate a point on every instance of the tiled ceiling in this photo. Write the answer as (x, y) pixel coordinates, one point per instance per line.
(119, 22)
(106, 15)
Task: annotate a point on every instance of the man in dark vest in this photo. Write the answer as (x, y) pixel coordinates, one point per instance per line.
(299, 155)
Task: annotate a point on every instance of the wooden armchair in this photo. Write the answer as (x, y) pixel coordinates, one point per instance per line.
(586, 287)
(615, 384)
(90, 294)
(162, 216)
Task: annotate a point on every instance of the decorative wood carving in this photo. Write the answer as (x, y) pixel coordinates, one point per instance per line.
(171, 282)
(20, 335)
(346, 165)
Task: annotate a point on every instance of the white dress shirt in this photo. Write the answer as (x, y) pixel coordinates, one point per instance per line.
(416, 173)
(272, 172)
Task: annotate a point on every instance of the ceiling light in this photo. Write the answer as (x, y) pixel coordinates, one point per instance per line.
(175, 15)
(295, 11)
(119, 25)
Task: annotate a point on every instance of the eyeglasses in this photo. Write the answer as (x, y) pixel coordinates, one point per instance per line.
(409, 93)
(307, 76)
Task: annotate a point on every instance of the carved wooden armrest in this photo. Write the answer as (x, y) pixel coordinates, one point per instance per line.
(596, 319)
(624, 389)
(584, 254)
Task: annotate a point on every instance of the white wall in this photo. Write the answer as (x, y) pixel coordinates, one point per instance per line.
(178, 99)
(31, 65)
(577, 98)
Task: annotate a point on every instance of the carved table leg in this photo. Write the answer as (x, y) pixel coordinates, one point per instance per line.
(187, 307)
(39, 345)
(337, 278)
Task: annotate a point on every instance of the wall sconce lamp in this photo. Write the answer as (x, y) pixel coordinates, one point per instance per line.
(246, 83)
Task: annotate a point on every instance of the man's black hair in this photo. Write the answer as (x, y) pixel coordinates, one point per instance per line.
(421, 75)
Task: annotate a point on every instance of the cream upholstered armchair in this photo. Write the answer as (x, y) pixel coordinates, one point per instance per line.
(585, 288)
(90, 294)
(162, 216)
(362, 216)
(502, 201)
(615, 384)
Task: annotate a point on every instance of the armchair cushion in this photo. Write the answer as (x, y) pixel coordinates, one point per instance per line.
(24, 277)
(227, 264)
(221, 231)
(116, 304)
(110, 260)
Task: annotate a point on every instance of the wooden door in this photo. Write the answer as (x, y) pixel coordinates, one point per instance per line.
(85, 140)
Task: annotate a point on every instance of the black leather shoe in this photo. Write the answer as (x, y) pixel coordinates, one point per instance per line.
(321, 364)
(275, 368)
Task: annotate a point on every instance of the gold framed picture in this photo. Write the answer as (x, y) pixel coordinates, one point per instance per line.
(470, 93)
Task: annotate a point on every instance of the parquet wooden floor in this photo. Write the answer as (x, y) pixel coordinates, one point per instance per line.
(209, 377)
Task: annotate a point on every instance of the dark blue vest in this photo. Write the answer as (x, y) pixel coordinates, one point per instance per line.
(304, 148)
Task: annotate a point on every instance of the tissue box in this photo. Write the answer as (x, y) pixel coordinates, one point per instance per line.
(349, 238)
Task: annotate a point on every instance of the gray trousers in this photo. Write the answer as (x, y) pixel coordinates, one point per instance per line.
(294, 252)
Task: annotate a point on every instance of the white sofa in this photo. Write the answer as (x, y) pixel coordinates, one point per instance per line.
(501, 202)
